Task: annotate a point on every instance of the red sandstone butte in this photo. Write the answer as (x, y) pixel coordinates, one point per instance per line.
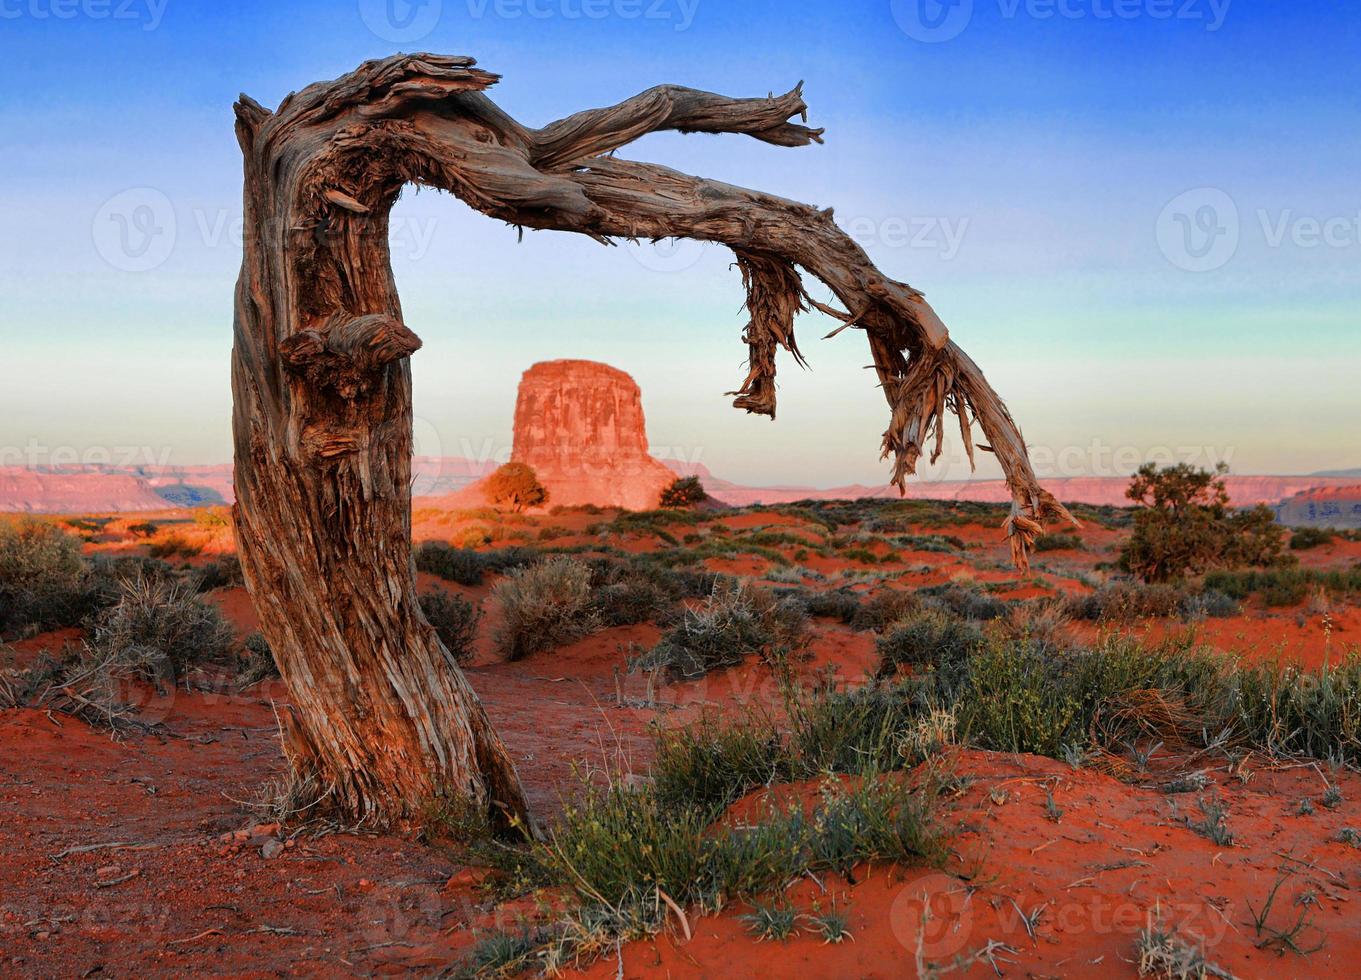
(580, 425)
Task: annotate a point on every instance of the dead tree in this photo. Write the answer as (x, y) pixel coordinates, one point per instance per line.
(381, 716)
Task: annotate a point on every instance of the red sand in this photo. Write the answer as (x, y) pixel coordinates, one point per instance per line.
(189, 890)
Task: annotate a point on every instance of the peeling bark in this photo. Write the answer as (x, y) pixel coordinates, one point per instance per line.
(321, 378)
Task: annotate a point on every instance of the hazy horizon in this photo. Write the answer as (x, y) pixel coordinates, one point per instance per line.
(1065, 188)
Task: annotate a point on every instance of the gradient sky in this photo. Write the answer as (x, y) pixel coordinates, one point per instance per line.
(1026, 163)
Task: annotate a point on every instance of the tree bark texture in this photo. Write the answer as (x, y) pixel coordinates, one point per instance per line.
(381, 716)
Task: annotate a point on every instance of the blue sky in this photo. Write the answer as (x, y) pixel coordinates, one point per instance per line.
(1141, 217)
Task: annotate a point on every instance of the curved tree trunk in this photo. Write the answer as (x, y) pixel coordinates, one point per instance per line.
(381, 715)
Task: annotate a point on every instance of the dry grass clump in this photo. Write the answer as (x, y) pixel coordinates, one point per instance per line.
(160, 629)
(736, 620)
(926, 639)
(544, 606)
(1164, 954)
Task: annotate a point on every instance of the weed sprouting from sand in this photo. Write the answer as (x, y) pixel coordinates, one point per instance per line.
(1214, 826)
(832, 925)
(1289, 937)
(778, 922)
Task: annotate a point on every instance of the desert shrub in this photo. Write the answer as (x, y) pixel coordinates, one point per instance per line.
(1210, 603)
(1310, 537)
(1122, 602)
(142, 529)
(108, 570)
(628, 592)
(223, 572)
(969, 602)
(543, 606)
(1284, 586)
(1295, 712)
(840, 604)
(170, 545)
(947, 544)
(461, 565)
(503, 560)
(1184, 526)
(929, 638)
(160, 629)
(44, 582)
(1027, 696)
(884, 607)
(737, 620)
(683, 492)
(455, 620)
(515, 485)
(1058, 542)
(259, 661)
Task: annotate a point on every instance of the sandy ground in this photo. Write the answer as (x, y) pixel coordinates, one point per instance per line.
(138, 858)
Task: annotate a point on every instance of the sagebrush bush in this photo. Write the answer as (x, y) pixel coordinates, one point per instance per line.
(461, 565)
(840, 604)
(1285, 586)
(455, 620)
(929, 638)
(172, 544)
(884, 607)
(544, 606)
(223, 572)
(737, 620)
(970, 602)
(1310, 537)
(44, 582)
(1211, 603)
(1123, 601)
(161, 629)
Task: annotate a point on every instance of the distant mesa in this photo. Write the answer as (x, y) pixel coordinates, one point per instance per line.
(580, 426)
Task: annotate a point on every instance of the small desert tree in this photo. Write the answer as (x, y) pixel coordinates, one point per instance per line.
(1185, 525)
(684, 491)
(517, 486)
